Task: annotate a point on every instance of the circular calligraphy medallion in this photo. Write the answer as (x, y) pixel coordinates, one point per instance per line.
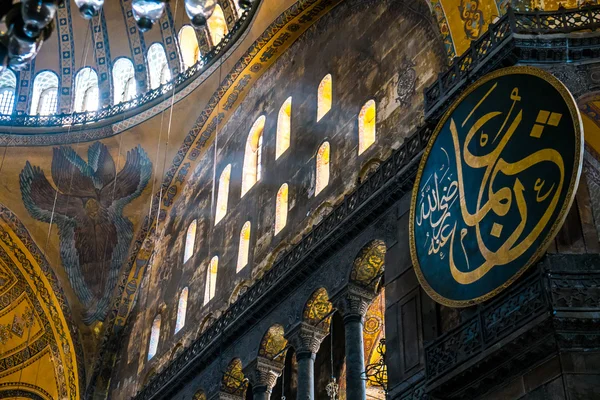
(494, 185)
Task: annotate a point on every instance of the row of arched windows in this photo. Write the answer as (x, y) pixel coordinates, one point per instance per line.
(44, 97)
(251, 174)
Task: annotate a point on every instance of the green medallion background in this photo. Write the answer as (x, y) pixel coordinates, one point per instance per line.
(489, 197)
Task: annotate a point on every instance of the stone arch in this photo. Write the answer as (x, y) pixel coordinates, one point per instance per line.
(239, 290)
(176, 351)
(206, 322)
(368, 265)
(234, 382)
(273, 344)
(40, 319)
(317, 309)
(368, 169)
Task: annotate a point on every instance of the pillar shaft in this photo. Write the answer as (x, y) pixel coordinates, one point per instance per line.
(353, 304)
(261, 392)
(355, 358)
(306, 375)
(306, 340)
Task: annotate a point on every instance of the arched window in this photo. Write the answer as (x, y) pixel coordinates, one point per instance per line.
(223, 194)
(8, 85)
(158, 67)
(322, 172)
(244, 247)
(190, 240)
(211, 280)
(124, 84)
(86, 90)
(324, 97)
(154, 337)
(188, 46)
(366, 126)
(181, 310)
(281, 208)
(217, 27)
(45, 94)
(252, 170)
(284, 126)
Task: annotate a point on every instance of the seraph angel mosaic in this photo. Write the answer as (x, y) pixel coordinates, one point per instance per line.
(87, 206)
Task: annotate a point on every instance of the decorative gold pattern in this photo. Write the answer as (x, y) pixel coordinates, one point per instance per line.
(317, 307)
(369, 264)
(37, 352)
(234, 381)
(273, 344)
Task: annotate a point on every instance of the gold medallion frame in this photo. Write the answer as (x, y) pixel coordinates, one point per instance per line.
(573, 183)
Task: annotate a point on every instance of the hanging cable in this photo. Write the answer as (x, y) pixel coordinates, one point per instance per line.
(51, 222)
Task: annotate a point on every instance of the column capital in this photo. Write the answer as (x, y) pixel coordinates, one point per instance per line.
(306, 338)
(263, 373)
(353, 301)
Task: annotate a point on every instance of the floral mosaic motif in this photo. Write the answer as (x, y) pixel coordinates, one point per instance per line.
(234, 381)
(440, 16)
(87, 205)
(373, 331)
(317, 307)
(472, 17)
(273, 344)
(369, 264)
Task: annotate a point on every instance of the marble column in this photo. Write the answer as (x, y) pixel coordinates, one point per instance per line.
(306, 340)
(262, 374)
(352, 303)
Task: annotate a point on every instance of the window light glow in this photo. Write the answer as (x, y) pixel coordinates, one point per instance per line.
(158, 66)
(244, 247)
(154, 337)
(322, 168)
(211, 280)
(44, 97)
(124, 82)
(86, 90)
(252, 170)
(188, 46)
(223, 194)
(366, 126)
(181, 310)
(281, 208)
(284, 126)
(324, 97)
(217, 27)
(190, 240)
(8, 85)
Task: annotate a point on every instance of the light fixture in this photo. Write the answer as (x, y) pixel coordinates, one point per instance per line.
(199, 11)
(89, 8)
(147, 12)
(245, 4)
(37, 14)
(27, 25)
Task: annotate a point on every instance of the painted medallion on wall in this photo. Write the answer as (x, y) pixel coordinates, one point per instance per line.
(494, 184)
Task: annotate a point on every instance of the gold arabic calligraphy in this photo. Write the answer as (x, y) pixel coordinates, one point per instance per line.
(442, 189)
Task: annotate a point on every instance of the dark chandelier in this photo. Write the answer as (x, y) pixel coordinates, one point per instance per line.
(376, 373)
(25, 25)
